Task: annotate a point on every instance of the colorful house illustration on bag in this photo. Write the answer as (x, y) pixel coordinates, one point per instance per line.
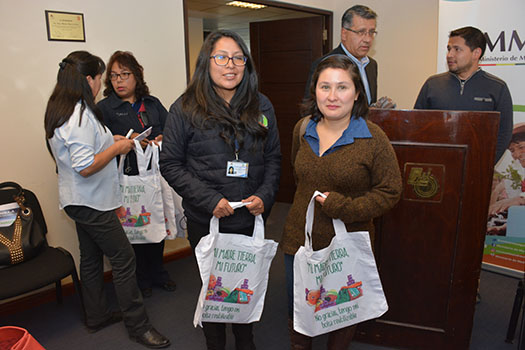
(129, 220)
(217, 292)
(350, 292)
(323, 299)
(240, 295)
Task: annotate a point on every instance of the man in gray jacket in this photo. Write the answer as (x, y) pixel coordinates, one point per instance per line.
(466, 87)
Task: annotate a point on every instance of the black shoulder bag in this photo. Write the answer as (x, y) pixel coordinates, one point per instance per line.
(23, 239)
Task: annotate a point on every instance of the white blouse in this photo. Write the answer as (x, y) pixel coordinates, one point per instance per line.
(74, 147)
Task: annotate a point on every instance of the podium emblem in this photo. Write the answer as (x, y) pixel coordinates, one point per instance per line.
(424, 182)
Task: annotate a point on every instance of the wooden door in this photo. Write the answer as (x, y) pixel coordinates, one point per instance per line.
(283, 52)
(429, 247)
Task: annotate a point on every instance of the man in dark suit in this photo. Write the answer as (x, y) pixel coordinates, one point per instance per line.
(358, 30)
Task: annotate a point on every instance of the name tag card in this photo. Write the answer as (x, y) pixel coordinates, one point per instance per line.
(237, 168)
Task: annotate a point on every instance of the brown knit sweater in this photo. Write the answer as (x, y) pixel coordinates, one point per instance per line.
(363, 179)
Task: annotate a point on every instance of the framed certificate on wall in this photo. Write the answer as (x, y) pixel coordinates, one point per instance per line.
(65, 26)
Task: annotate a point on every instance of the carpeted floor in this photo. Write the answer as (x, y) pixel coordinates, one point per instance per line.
(58, 327)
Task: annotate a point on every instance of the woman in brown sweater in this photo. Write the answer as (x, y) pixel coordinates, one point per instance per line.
(338, 152)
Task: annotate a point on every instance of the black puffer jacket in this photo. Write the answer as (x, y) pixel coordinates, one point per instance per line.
(193, 161)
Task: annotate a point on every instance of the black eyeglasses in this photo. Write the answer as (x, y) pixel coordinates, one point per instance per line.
(123, 76)
(222, 60)
(363, 32)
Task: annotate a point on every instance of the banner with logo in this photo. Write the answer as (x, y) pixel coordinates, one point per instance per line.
(504, 27)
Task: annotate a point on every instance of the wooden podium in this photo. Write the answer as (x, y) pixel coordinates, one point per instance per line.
(429, 247)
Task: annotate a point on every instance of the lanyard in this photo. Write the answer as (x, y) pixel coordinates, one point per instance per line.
(236, 167)
(236, 149)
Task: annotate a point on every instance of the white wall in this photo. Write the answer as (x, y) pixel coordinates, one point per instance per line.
(405, 49)
(30, 64)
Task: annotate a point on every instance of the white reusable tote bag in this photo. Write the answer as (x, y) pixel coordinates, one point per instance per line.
(173, 211)
(142, 212)
(337, 286)
(234, 271)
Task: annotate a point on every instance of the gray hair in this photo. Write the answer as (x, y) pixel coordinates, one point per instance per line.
(359, 10)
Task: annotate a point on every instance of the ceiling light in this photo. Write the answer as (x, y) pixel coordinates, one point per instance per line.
(247, 5)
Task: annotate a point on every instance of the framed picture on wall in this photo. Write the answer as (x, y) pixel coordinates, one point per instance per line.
(65, 26)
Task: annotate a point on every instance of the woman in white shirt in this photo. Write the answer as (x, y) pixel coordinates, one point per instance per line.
(84, 151)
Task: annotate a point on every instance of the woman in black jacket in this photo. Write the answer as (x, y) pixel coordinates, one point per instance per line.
(128, 105)
(221, 122)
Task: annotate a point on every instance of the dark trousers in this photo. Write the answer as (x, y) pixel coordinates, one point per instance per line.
(100, 233)
(197, 230)
(288, 268)
(150, 267)
(215, 333)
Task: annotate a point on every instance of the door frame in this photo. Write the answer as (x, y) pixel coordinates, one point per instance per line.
(327, 16)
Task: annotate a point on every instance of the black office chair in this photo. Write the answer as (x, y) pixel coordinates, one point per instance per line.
(51, 264)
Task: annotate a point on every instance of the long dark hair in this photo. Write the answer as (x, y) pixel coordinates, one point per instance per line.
(126, 59)
(360, 108)
(206, 108)
(72, 86)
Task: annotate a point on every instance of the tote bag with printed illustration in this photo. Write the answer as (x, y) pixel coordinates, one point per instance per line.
(337, 286)
(234, 270)
(142, 211)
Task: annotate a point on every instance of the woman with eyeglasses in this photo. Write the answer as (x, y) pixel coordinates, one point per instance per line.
(129, 105)
(84, 151)
(222, 121)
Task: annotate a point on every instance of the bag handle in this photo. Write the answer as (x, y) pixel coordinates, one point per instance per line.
(143, 158)
(13, 185)
(339, 226)
(18, 197)
(258, 229)
(155, 150)
(304, 124)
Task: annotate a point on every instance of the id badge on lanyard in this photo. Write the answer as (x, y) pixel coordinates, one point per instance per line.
(236, 167)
